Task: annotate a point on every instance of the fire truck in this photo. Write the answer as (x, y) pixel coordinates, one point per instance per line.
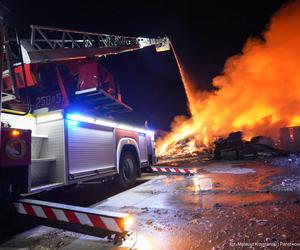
(57, 107)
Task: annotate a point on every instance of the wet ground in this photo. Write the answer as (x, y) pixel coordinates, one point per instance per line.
(226, 205)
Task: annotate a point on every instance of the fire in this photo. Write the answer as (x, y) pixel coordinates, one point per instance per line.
(258, 92)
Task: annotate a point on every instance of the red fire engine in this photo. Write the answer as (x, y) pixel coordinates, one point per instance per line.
(56, 101)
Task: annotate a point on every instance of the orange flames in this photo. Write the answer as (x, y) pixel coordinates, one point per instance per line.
(258, 92)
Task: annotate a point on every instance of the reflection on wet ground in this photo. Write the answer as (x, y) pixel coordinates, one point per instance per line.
(238, 187)
(188, 212)
(223, 204)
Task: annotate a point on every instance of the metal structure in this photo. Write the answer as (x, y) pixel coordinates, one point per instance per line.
(53, 44)
(67, 59)
(96, 97)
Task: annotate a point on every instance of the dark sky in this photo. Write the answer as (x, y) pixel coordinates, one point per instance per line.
(204, 34)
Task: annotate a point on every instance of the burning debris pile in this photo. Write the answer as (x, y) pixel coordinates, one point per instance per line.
(235, 148)
(258, 92)
(187, 147)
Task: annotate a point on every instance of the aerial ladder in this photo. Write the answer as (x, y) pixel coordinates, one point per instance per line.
(55, 51)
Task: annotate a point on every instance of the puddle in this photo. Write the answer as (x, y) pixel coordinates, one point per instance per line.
(223, 200)
(202, 184)
(229, 170)
(236, 186)
(207, 190)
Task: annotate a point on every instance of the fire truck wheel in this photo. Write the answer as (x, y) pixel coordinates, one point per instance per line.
(128, 170)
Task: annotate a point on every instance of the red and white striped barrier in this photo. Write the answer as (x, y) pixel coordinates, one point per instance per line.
(172, 170)
(110, 221)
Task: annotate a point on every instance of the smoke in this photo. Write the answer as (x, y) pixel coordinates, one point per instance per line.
(258, 92)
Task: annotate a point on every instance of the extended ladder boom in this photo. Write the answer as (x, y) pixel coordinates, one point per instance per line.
(52, 44)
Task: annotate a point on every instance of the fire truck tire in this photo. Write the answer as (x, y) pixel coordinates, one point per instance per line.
(127, 170)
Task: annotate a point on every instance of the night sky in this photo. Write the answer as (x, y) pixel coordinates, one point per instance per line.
(203, 36)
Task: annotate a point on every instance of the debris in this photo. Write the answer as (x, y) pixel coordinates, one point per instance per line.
(217, 184)
(284, 236)
(293, 160)
(232, 191)
(227, 148)
(263, 182)
(158, 228)
(217, 205)
(263, 140)
(262, 222)
(194, 222)
(234, 147)
(149, 222)
(144, 209)
(296, 201)
(273, 239)
(60, 244)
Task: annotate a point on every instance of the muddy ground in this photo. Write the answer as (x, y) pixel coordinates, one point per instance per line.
(226, 205)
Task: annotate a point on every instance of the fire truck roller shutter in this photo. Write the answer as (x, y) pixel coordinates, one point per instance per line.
(128, 162)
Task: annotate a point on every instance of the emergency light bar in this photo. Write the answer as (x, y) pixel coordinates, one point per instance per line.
(98, 121)
(106, 123)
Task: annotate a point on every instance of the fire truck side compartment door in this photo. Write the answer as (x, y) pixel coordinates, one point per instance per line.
(90, 148)
(143, 147)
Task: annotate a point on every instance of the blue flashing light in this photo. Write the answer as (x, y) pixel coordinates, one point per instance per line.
(73, 123)
(79, 118)
(75, 118)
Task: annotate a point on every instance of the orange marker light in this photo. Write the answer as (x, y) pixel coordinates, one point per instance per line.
(128, 222)
(15, 132)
